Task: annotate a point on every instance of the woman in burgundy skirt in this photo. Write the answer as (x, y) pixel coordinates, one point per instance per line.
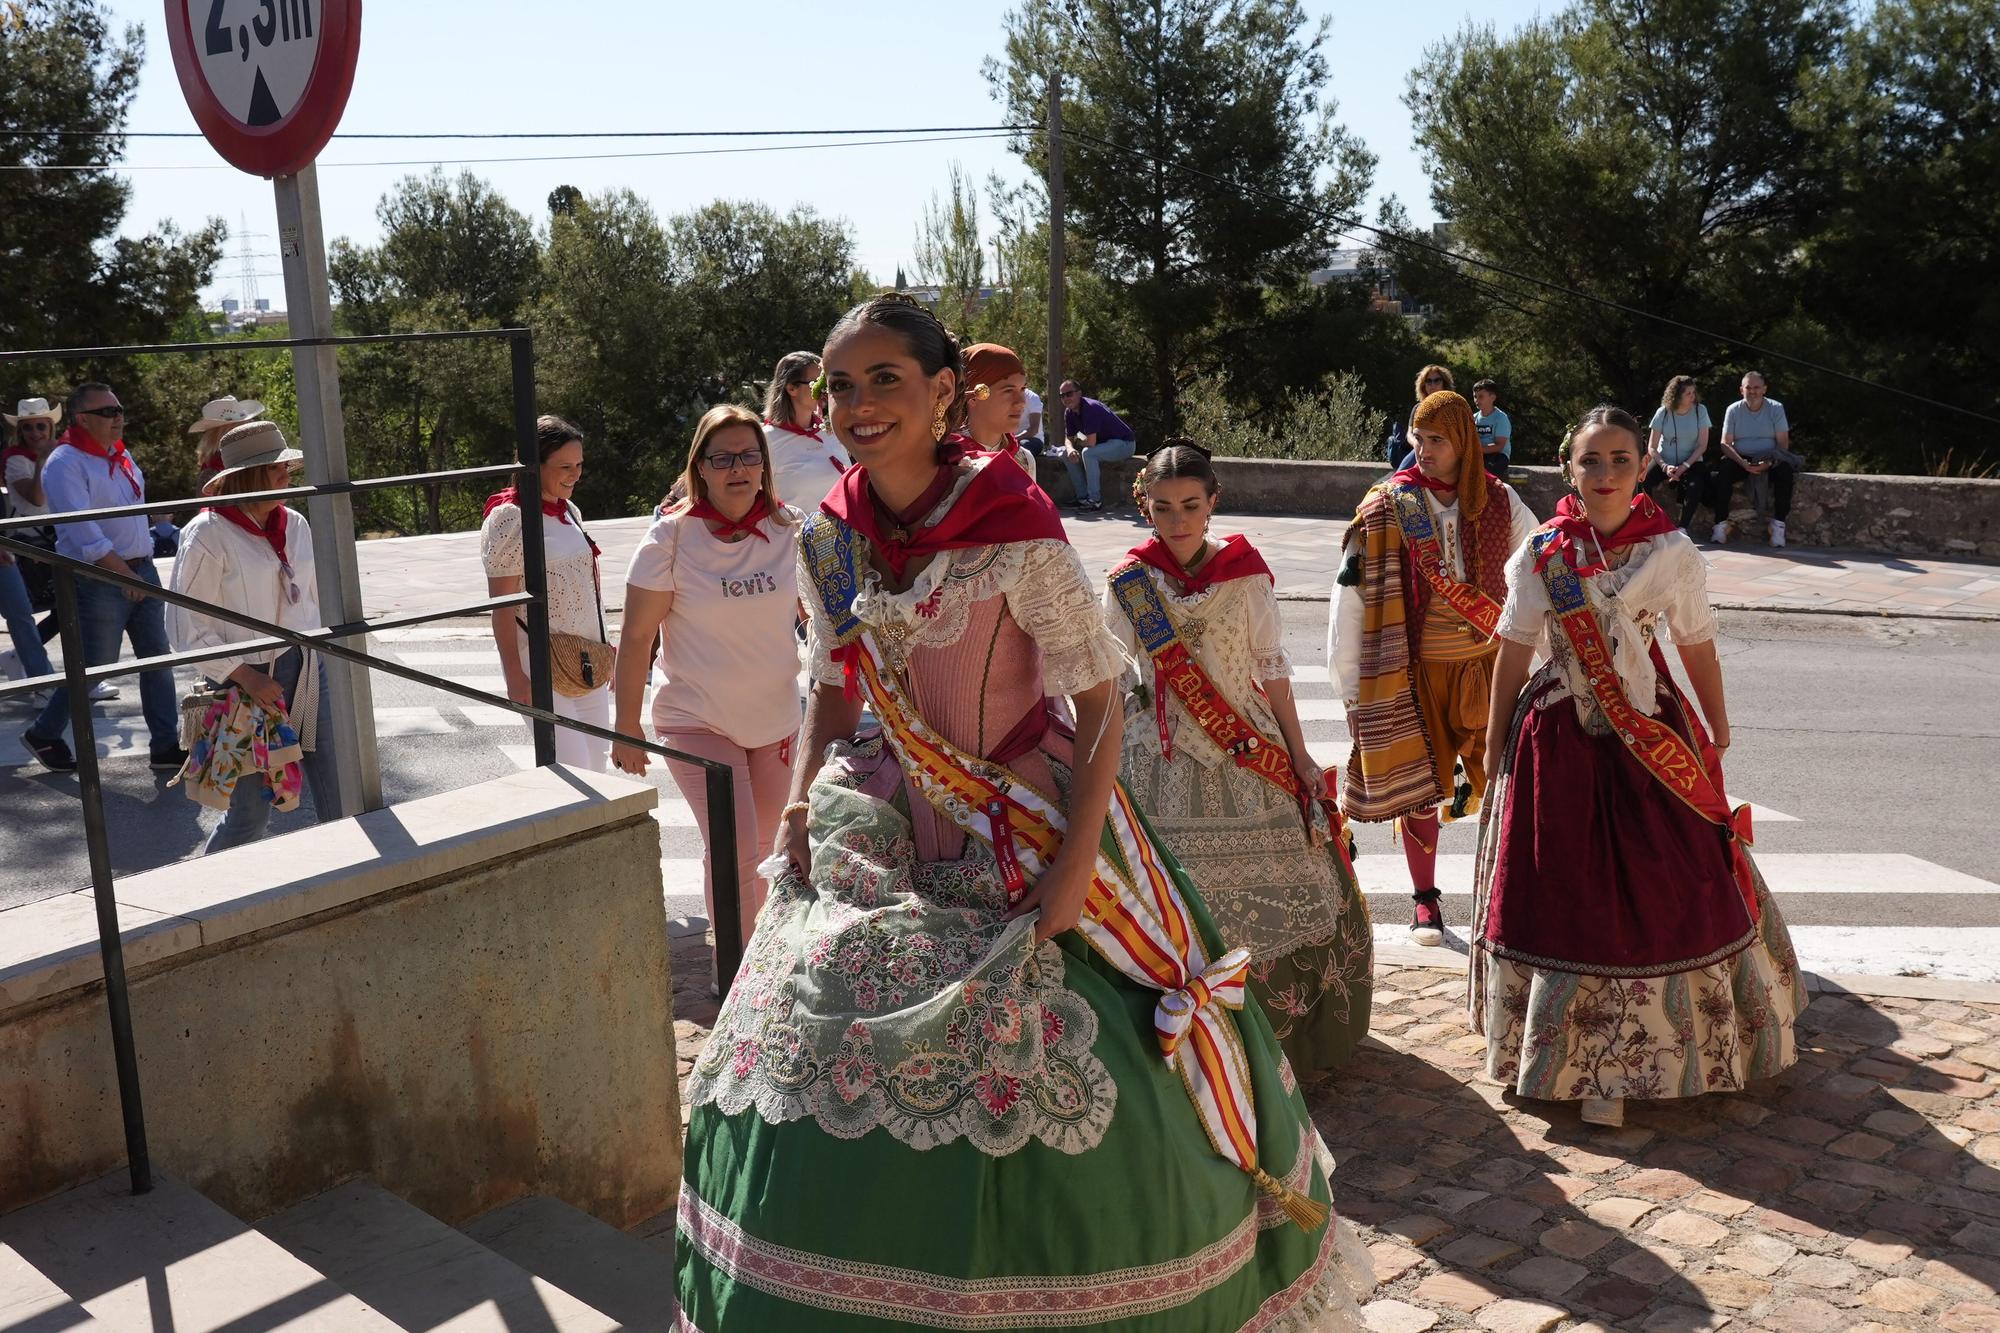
(1624, 943)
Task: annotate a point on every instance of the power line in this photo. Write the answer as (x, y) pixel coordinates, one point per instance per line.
(1396, 238)
(487, 161)
(537, 134)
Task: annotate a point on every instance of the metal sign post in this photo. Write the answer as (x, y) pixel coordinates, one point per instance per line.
(267, 81)
(323, 440)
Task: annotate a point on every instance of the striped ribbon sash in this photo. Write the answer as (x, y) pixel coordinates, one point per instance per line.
(1134, 915)
(1694, 779)
(1176, 671)
(1420, 535)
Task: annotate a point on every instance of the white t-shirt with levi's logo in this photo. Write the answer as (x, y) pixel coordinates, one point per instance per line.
(729, 658)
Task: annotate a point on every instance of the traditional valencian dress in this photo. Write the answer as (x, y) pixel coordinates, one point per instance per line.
(1206, 761)
(1625, 944)
(910, 1114)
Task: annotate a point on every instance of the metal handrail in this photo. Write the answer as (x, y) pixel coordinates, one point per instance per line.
(77, 677)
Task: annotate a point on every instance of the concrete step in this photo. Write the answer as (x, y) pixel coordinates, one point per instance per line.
(170, 1261)
(617, 1273)
(419, 1272)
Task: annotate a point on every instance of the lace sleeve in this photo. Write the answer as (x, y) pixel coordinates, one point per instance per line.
(1268, 658)
(500, 542)
(1052, 601)
(1690, 618)
(819, 638)
(1128, 638)
(1527, 608)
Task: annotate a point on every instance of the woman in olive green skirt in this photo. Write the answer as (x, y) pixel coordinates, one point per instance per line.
(930, 1100)
(1276, 886)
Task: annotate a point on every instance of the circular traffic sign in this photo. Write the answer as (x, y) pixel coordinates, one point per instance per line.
(266, 79)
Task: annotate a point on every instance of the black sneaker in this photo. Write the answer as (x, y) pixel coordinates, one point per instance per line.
(1427, 926)
(169, 761)
(1091, 506)
(52, 754)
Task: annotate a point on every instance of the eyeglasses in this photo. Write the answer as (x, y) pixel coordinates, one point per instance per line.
(1073, 393)
(1435, 379)
(729, 462)
(38, 427)
(110, 413)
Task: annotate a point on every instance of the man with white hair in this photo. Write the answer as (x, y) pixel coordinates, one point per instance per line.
(92, 469)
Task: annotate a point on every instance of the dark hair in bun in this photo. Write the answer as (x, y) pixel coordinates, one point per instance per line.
(933, 346)
(1179, 457)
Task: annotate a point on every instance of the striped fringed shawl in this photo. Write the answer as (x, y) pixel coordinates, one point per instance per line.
(1390, 772)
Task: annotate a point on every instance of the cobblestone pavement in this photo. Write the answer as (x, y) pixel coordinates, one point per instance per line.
(1859, 1190)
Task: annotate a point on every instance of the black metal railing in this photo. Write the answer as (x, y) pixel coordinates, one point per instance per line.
(77, 676)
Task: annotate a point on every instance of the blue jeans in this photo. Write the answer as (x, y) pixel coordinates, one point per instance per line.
(1083, 471)
(107, 616)
(249, 812)
(19, 614)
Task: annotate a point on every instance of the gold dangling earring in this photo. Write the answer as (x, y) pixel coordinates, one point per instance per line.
(937, 423)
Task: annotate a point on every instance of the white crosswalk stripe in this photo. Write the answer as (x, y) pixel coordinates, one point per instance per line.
(1784, 873)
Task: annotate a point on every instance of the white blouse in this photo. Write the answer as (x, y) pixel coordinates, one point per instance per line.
(572, 568)
(221, 563)
(1666, 578)
(1048, 594)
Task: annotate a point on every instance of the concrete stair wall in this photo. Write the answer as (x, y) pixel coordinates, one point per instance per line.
(355, 1259)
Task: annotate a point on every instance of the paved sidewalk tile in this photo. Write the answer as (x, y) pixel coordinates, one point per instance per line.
(1731, 1210)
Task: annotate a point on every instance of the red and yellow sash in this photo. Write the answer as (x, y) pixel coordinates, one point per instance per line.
(1478, 609)
(1176, 671)
(1695, 779)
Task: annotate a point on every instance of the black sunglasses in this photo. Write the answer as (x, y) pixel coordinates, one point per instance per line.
(112, 411)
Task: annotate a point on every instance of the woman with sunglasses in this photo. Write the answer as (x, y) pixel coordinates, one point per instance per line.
(717, 578)
(1399, 446)
(806, 460)
(256, 559)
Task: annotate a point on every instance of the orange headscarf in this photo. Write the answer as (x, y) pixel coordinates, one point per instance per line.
(1450, 415)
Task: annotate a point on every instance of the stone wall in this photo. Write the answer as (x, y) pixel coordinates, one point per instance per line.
(488, 1017)
(1926, 516)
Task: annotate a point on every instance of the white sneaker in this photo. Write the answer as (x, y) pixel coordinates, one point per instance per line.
(1720, 535)
(1777, 532)
(103, 690)
(1607, 1111)
(10, 665)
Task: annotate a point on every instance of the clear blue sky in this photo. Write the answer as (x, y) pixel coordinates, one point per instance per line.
(519, 65)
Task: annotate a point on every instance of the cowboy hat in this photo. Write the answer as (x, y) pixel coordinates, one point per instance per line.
(252, 444)
(226, 411)
(34, 409)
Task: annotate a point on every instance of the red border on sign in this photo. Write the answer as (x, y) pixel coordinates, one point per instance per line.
(290, 145)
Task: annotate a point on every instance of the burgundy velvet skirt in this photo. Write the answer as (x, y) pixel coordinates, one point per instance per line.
(1597, 868)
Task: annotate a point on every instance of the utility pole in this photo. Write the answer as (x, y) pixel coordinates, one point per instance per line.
(1052, 404)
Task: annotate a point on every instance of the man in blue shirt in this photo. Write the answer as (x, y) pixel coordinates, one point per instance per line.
(1756, 441)
(1496, 432)
(92, 469)
(1096, 435)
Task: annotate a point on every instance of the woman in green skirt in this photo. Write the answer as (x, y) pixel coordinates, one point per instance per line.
(1215, 757)
(973, 1074)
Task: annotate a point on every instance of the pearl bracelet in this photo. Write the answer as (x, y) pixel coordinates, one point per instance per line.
(801, 807)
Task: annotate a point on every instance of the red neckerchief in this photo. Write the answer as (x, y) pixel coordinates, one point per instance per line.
(726, 527)
(1416, 476)
(1000, 504)
(117, 457)
(1237, 559)
(272, 529)
(555, 509)
(1572, 529)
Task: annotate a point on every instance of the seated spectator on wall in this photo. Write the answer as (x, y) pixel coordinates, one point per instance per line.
(1757, 442)
(1096, 435)
(1402, 443)
(1496, 430)
(1677, 451)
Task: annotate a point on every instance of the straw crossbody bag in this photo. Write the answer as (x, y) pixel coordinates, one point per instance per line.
(577, 665)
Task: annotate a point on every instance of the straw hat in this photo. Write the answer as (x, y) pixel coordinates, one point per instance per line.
(253, 444)
(226, 411)
(34, 409)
